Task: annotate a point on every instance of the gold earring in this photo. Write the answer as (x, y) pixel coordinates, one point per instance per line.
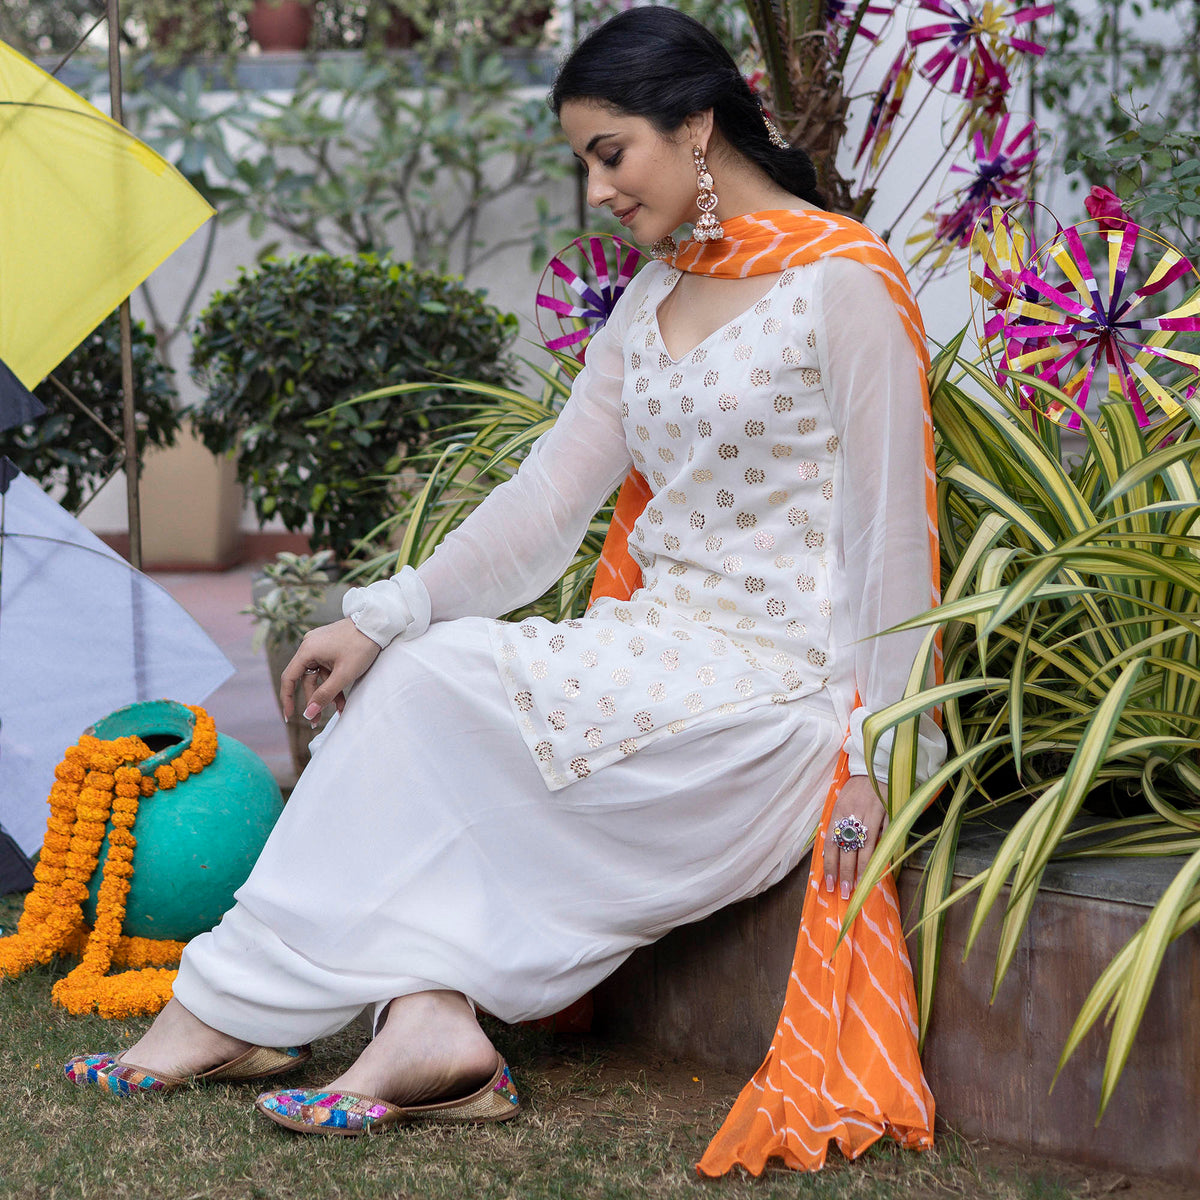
(708, 228)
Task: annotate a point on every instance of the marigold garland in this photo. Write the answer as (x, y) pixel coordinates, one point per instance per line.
(98, 781)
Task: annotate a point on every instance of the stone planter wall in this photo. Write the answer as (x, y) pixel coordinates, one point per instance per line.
(710, 993)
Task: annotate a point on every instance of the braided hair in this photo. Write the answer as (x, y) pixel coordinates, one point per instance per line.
(657, 63)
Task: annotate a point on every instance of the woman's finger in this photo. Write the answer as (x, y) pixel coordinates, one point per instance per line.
(293, 673)
(874, 833)
(325, 692)
(831, 856)
(309, 682)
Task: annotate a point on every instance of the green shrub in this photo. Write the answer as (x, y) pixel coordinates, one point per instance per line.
(292, 338)
(66, 448)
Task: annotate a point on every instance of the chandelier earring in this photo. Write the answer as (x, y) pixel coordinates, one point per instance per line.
(708, 228)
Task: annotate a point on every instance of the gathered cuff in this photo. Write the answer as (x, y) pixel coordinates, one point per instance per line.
(398, 607)
(931, 748)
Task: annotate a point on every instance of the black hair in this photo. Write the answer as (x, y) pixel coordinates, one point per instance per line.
(656, 63)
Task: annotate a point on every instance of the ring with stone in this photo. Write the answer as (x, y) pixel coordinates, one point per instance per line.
(850, 834)
(312, 670)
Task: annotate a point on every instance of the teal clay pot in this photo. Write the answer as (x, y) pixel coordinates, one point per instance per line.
(197, 841)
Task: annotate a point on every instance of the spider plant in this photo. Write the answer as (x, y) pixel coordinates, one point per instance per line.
(1069, 628)
(491, 430)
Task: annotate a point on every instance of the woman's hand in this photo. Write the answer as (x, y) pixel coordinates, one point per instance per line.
(856, 799)
(329, 660)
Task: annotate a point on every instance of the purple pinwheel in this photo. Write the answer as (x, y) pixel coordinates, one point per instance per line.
(998, 175)
(1061, 331)
(1000, 249)
(885, 108)
(976, 42)
(842, 14)
(583, 300)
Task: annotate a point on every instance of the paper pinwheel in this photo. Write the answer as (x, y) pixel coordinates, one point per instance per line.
(1064, 323)
(885, 108)
(1000, 248)
(842, 15)
(580, 286)
(997, 175)
(975, 42)
(81, 633)
(86, 213)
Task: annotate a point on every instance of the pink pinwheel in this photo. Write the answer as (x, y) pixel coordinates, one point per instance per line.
(885, 108)
(976, 42)
(998, 175)
(842, 14)
(582, 302)
(1000, 250)
(1062, 331)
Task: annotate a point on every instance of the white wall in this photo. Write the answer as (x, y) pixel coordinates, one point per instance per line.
(511, 284)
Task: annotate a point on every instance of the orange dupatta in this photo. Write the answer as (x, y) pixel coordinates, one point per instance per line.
(843, 1064)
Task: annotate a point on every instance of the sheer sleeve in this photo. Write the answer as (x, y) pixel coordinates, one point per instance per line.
(525, 533)
(873, 386)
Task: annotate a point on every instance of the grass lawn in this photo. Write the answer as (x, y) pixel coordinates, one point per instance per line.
(599, 1122)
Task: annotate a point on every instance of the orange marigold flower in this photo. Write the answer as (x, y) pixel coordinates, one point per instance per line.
(94, 781)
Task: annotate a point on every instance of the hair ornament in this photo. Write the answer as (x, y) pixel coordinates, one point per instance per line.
(777, 138)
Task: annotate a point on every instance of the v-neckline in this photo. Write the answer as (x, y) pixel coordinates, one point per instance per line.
(741, 316)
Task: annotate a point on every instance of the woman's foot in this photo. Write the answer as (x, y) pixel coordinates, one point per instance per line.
(179, 1045)
(429, 1048)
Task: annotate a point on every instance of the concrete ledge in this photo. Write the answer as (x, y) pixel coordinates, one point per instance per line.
(711, 992)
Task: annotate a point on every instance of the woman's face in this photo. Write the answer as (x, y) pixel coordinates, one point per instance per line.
(647, 180)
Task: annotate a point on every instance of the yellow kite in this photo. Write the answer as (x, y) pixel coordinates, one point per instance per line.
(86, 213)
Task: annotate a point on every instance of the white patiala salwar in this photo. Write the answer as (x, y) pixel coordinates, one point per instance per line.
(509, 810)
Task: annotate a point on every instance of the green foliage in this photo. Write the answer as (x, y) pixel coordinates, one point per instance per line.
(292, 339)
(730, 22)
(35, 27)
(1071, 621)
(283, 614)
(71, 450)
(1153, 167)
(481, 447)
(1126, 105)
(178, 29)
(433, 28)
(363, 148)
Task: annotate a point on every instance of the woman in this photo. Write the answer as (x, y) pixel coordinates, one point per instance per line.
(502, 813)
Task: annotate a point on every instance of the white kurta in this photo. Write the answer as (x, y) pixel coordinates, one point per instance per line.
(510, 810)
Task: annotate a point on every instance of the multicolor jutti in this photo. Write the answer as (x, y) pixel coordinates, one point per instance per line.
(843, 1065)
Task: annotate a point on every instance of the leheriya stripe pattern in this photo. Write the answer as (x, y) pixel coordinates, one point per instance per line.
(843, 1065)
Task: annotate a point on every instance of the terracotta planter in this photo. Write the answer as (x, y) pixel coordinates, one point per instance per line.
(281, 24)
(191, 506)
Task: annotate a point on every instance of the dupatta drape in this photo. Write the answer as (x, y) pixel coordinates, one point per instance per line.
(843, 1064)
